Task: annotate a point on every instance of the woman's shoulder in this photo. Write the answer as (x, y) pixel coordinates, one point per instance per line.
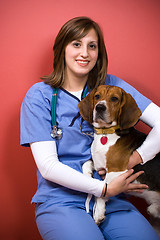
(114, 80)
(39, 91)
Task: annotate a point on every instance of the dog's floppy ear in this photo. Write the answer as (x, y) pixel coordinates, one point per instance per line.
(86, 107)
(129, 112)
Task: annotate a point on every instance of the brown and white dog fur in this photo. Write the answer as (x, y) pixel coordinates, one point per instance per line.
(110, 107)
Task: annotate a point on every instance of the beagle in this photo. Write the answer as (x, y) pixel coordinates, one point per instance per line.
(113, 113)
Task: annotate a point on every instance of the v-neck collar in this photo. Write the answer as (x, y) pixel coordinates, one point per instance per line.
(84, 93)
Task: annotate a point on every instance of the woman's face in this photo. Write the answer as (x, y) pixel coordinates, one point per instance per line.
(81, 55)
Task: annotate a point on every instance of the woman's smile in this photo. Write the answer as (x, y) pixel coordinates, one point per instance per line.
(82, 63)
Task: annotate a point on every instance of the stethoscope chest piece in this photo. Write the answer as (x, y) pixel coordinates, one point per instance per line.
(56, 133)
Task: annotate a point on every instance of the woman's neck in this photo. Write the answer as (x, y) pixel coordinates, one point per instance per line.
(74, 84)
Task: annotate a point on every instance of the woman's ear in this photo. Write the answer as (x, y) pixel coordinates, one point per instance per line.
(86, 107)
(129, 112)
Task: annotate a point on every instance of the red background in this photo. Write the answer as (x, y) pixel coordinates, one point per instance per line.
(28, 29)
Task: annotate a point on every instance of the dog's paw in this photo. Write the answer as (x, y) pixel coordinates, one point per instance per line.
(99, 219)
(154, 210)
(99, 211)
(88, 168)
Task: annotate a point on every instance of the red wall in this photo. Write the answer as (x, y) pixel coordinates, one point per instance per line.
(28, 28)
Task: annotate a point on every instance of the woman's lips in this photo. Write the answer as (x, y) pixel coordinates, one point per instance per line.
(82, 63)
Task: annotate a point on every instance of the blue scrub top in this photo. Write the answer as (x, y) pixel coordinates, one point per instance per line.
(74, 147)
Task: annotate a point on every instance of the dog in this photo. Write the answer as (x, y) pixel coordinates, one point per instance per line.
(113, 113)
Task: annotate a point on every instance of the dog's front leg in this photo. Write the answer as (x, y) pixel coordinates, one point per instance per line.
(100, 203)
(88, 169)
(99, 210)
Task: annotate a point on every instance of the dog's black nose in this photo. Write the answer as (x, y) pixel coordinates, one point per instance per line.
(100, 108)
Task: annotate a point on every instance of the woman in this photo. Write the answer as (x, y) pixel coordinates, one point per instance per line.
(80, 63)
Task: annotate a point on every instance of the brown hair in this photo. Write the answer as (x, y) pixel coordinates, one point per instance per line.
(76, 29)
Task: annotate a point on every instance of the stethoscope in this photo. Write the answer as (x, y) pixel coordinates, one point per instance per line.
(56, 132)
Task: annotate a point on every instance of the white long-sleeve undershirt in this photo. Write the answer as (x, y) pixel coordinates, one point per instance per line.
(151, 146)
(45, 155)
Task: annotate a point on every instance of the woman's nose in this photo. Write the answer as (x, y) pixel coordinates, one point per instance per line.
(84, 51)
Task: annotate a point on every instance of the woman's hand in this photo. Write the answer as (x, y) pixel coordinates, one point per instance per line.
(134, 159)
(123, 183)
(102, 173)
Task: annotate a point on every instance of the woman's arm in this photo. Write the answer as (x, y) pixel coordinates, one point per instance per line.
(45, 155)
(151, 146)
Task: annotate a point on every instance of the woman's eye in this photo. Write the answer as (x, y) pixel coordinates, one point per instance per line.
(76, 44)
(92, 46)
(97, 96)
(114, 99)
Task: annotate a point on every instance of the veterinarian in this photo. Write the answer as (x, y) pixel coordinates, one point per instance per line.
(51, 126)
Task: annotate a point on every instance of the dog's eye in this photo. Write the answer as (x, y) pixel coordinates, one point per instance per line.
(114, 99)
(97, 96)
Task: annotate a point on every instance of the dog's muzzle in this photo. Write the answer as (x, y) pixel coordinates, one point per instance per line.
(100, 112)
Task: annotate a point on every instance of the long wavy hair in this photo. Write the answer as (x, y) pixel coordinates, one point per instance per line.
(75, 29)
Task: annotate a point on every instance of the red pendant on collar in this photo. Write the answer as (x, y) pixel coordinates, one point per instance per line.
(104, 140)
